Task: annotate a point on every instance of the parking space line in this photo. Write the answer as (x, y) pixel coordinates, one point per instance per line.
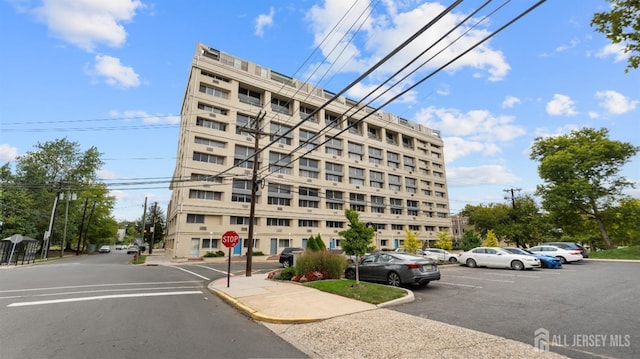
(461, 285)
(491, 280)
(213, 269)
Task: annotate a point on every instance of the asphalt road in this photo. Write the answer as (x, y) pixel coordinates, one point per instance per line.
(584, 310)
(99, 306)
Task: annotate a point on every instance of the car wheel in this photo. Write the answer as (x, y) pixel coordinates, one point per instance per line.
(286, 263)
(350, 273)
(471, 263)
(393, 279)
(517, 265)
(453, 260)
(563, 260)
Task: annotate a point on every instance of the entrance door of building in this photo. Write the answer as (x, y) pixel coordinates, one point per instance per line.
(195, 247)
(274, 246)
(237, 250)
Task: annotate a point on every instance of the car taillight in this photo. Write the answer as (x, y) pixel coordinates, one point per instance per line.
(576, 253)
(413, 265)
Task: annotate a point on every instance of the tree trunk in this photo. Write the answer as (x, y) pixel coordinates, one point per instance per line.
(603, 232)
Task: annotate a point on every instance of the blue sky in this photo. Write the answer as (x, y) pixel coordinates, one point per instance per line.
(112, 74)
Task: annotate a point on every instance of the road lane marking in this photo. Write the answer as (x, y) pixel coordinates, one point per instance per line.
(101, 297)
(461, 285)
(190, 272)
(213, 269)
(491, 280)
(96, 291)
(94, 285)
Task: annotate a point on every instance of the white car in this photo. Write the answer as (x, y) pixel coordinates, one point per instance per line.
(440, 255)
(497, 258)
(565, 255)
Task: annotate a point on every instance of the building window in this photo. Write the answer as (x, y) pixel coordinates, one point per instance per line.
(248, 96)
(391, 138)
(209, 158)
(214, 91)
(243, 157)
(244, 124)
(373, 132)
(409, 164)
(215, 77)
(208, 195)
(280, 163)
(308, 197)
(354, 126)
(207, 245)
(357, 202)
(411, 185)
(213, 109)
(307, 223)
(356, 176)
(206, 178)
(280, 105)
(215, 125)
(439, 194)
(309, 168)
(331, 120)
(376, 179)
(333, 172)
(279, 222)
(334, 199)
(278, 130)
(209, 143)
(195, 218)
(334, 224)
(375, 155)
(308, 140)
(241, 190)
(306, 113)
(333, 146)
(407, 142)
(397, 227)
(394, 183)
(355, 151)
(396, 205)
(435, 154)
(279, 194)
(414, 227)
(393, 160)
(377, 204)
(240, 220)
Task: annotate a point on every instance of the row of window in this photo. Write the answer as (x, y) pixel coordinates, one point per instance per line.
(311, 223)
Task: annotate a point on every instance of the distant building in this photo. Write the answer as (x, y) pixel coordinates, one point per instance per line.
(459, 225)
(389, 169)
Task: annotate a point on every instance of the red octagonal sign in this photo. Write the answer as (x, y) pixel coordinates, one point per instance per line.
(230, 239)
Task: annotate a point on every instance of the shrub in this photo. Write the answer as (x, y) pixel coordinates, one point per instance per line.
(286, 274)
(209, 254)
(219, 254)
(332, 264)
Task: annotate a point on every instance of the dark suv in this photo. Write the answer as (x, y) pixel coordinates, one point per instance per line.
(569, 246)
(286, 257)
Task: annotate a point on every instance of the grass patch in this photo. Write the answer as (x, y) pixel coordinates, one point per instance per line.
(141, 259)
(632, 252)
(366, 292)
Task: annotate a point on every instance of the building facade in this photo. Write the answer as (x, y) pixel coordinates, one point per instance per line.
(315, 159)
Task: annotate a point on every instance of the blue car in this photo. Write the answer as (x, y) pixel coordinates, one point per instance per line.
(545, 260)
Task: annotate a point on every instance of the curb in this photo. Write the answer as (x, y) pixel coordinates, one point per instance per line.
(255, 315)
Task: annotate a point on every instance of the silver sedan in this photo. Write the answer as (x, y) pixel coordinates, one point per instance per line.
(395, 269)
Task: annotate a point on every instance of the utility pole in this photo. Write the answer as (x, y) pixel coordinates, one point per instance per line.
(254, 188)
(153, 226)
(144, 218)
(513, 197)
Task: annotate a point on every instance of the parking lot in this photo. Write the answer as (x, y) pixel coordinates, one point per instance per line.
(584, 310)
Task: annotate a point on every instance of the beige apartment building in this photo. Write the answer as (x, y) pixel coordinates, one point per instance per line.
(315, 160)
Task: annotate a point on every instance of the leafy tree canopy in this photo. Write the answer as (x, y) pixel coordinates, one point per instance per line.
(411, 242)
(491, 240)
(357, 239)
(444, 241)
(621, 25)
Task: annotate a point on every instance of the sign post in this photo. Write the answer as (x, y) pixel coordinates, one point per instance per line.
(230, 239)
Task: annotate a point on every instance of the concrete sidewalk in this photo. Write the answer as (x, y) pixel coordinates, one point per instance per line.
(324, 325)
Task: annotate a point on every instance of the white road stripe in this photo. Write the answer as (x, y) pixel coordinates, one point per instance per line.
(213, 269)
(94, 285)
(97, 291)
(190, 272)
(69, 300)
(461, 285)
(491, 280)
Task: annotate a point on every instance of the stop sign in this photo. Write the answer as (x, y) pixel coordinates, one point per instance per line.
(230, 239)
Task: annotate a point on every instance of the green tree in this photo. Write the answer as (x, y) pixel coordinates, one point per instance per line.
(444, 241)
(15, 207)
(625, 222)
(470, 240)
(621, 25)
(486, 217)
(491, 240)
(411, 243)
(581, 172)
(357, 239)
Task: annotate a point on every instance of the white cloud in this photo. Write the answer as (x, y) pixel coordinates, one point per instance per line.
(114, 73)
(615, 102)
(615, 50)
(145, 116)
(481, 175)
(478, 124)
(88, 23)
(8, 153)
(561, 105)
(386, 28)
(510, 101)
(264, 20)
(456, 147)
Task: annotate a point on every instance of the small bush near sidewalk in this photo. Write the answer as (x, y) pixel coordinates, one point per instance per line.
(326, 262)
(284, 274)
(367, 292)
(140, 260)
